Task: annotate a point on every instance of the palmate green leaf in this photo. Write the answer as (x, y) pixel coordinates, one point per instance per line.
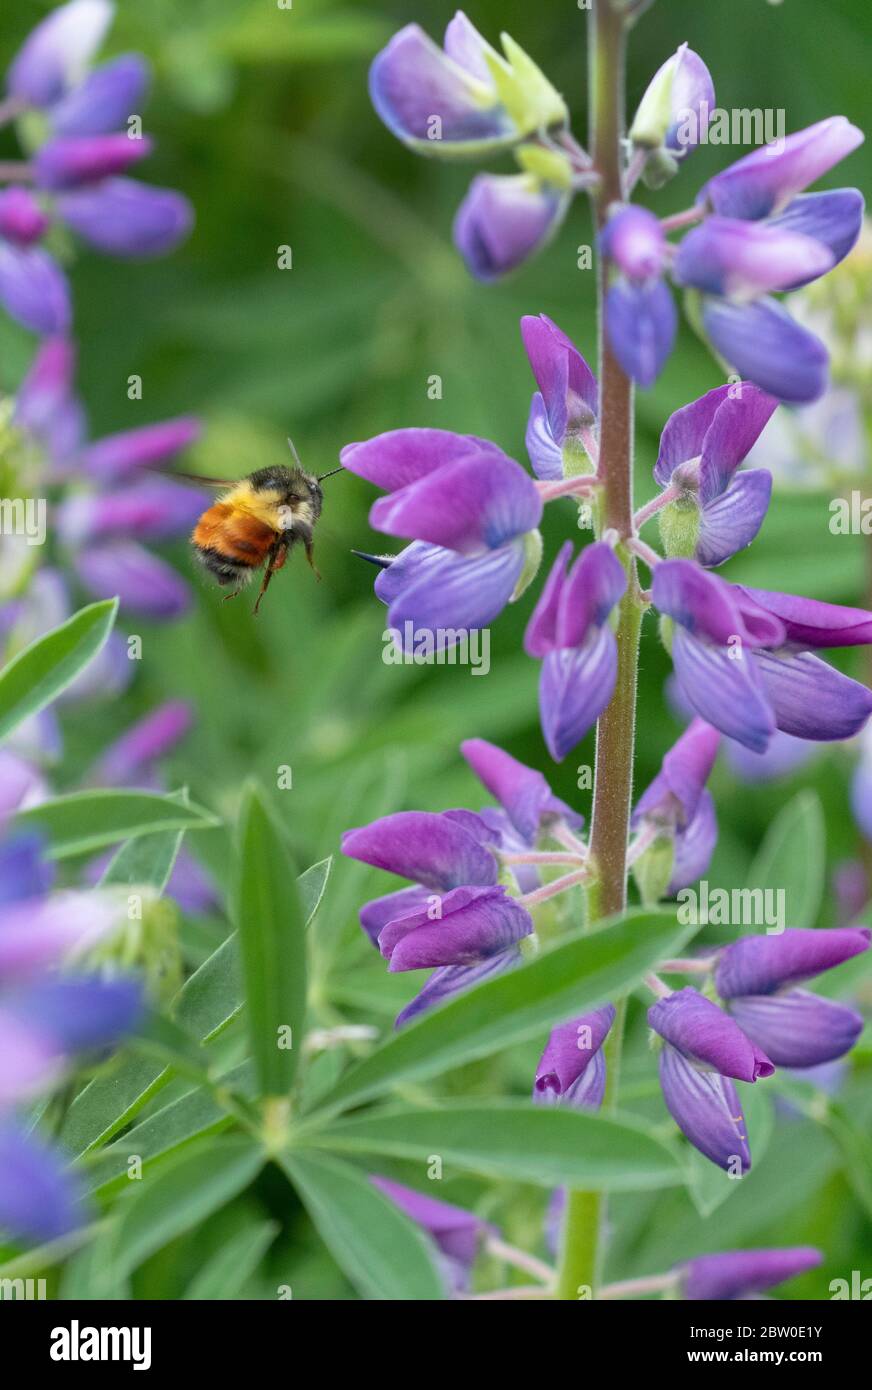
(548, 1145)
(177, 1198)
(225, 1273)
(38, 674)
(581, 971)
(207, 1002)
(85, 821)
(383, 1253)
(792, 858)
(272, 944)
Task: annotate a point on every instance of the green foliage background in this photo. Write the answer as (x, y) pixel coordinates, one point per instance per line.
(262, 117)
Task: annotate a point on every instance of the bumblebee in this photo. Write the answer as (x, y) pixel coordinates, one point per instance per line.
(256, 522)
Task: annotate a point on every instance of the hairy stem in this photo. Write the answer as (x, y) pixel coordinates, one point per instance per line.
(581, 1252)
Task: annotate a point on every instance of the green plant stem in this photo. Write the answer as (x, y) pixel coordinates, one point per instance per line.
(580, 1271)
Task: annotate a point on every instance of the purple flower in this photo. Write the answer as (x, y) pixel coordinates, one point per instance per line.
(572, 1068)
(145, 585)
(44, 1024)
(762, 183)
(641, 322)
(33, 288)
(104, 100)
(54, 54)
(68, 161)
(40, 1199)
(21, 784)
(38, 933)
(742, 660)
(703, 1049)
(454, 917)
(742, 1273)
(467, 926)
(127, 762)
(125, 218)
(505, 219)
(456, 1233)
(678, 805)
(569, 631)
(152, 510)
(634, 240)
(717, 509)
(470, 512)
(735, 256)
(564, 409)
(435, 850)
(465, 99)
(757, 975)
(742, 260)
(522, 791)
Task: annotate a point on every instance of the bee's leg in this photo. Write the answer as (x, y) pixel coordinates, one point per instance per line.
(275, 561)
(305, 535)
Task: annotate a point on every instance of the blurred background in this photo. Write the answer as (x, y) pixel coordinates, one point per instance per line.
(262, 118)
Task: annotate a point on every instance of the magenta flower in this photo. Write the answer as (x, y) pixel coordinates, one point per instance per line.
(569, 632)
(524, 794)
(743, 662)
(33, 288)
(469, 510)
(757, 977)
(564, 409)
(704, 1049)
(702, 448)
(572, 1069)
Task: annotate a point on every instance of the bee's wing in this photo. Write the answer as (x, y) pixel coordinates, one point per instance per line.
(199, 479)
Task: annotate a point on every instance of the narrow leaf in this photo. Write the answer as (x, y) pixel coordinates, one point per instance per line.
(273, 947)
(224, 1275)
(520, 1141)
(38, 674)
(382, 1252)
(86, 821)
(791, 860)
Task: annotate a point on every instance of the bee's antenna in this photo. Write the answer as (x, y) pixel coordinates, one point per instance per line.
(293, 449)
(383, 561)
(340, 469)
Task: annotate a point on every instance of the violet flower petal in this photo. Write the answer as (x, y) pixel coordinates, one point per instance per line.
(706, 1035)
(69, 161)
(105, 99)
(834, 218)
(575, 685)
(475, 922)
(543, 451)
(731, 521)
(727, 693)
(811, 699)
(641, 323)
(738, 1273)
(34, 289)
(707, 1110)
(423, 846)
(694, 846)
(57, 51)
(809, 622)
(504, 220)
(570, 1049)
(116, 456)
(522, 790)
(763, 964)
(798, 1029)
(397, 458)
(448, 595)
(765, 180)
(464, 505)
(125, 218)
(145, 584)
(40, 1198)
(765, 345)
(540, 636)
(741, 260)
(450, 980)
(566, 383)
